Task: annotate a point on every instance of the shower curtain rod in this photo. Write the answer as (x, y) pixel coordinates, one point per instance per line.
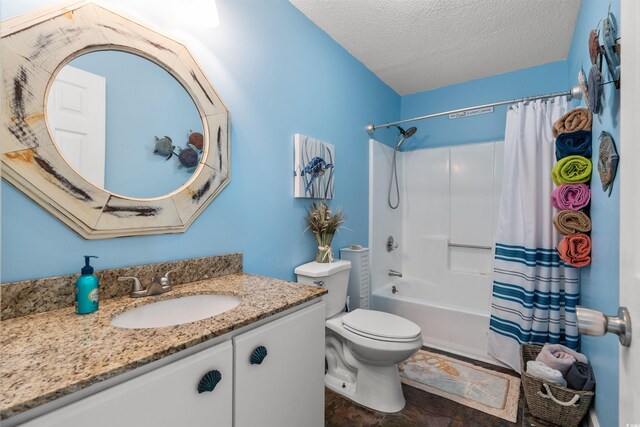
(574, 93)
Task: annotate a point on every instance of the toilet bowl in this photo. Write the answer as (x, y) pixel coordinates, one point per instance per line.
(362, 347)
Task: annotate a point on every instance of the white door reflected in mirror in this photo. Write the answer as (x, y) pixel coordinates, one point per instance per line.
(76, 110)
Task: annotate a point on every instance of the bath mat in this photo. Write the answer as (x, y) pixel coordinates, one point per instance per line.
(488, 391)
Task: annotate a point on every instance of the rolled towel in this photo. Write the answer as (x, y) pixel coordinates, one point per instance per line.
(556, 348)
(580, 377)
(559, 360)
(560, 357)
(572, 170)
(576, 143)
(571, 121)
(574, 249)
(571, 222)
(571, 197)
(543, 372)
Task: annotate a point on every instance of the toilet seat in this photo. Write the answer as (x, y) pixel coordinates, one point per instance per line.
(376, 338)
(380, 326)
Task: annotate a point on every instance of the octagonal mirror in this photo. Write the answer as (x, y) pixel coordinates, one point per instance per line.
(85, 74)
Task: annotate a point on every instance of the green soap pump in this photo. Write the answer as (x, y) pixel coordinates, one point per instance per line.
(87, 289)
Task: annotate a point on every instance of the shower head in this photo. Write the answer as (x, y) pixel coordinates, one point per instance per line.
(409, 132)
(405, 134)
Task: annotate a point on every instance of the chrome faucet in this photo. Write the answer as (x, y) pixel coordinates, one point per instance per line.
(393, 273)
(159, 285)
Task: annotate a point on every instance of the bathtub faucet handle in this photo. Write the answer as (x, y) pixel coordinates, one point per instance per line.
(393, 273)
(391, 244)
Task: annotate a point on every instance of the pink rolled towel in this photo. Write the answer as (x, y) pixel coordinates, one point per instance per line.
(559, 357)
(571, 197)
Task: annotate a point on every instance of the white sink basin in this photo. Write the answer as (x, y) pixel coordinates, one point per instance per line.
(175, 311)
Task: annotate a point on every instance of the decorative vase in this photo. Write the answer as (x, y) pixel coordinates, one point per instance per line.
(324, 254)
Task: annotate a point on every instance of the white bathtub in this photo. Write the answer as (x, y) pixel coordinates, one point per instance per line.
(456, 329)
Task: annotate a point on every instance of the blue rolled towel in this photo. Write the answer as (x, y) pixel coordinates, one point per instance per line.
(576, 143)
(580, 377)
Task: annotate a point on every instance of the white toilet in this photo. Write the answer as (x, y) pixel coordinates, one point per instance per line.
(362, 347)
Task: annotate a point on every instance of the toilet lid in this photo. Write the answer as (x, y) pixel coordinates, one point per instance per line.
(377, 324)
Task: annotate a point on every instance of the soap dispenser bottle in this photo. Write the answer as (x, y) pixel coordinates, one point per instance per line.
(87, 289)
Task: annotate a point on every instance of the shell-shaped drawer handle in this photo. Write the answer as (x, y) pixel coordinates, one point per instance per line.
(209, 381)
(258, 355)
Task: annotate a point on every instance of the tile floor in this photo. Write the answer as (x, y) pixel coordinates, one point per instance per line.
(423, 409)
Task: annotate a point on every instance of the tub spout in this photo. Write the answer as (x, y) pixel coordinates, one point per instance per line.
(393, 273)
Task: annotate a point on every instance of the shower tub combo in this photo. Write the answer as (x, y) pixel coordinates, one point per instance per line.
(444, 226)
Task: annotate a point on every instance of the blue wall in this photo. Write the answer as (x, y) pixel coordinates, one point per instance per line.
(278, 75)
(600, 280)
(143, 101)
(441, 131)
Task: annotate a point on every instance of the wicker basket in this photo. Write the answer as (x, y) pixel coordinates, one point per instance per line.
(551, 402)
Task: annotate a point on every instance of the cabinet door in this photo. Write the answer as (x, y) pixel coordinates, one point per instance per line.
(287, 388)
(167, 396)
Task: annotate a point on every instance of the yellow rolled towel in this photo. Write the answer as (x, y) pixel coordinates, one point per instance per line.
(572, 170)
(571, 222)
(571, 121)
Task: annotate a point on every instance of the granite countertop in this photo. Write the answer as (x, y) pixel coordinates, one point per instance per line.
(49, 355)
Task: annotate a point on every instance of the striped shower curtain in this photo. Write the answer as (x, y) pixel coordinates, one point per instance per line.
(534, 293)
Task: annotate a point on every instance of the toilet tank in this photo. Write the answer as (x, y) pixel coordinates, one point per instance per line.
(333, 276)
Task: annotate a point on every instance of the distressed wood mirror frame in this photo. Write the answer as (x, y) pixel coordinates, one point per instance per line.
(34, 48)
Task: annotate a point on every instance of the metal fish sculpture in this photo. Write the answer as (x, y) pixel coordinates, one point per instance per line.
(188, 157)
(594, 47)
(607, 161)
(164, 147)
(196, 139)
(595, 90)
(584, 87)
(316, 167)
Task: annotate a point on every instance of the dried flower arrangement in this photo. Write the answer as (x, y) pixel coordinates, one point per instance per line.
(323, 224)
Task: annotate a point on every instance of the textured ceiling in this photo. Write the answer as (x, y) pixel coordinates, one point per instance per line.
(417, 45)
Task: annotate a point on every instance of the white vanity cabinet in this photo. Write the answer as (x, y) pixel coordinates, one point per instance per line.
(285, 390)
(166, 396)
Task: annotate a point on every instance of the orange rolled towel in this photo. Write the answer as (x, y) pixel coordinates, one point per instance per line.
(575, 249)
(571, 121)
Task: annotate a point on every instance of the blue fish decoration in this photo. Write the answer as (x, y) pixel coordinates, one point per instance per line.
(316, 167)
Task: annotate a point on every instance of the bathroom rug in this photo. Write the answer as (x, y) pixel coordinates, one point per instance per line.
(483, 389)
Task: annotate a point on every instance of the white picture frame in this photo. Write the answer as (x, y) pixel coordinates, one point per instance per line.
(314, 168)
